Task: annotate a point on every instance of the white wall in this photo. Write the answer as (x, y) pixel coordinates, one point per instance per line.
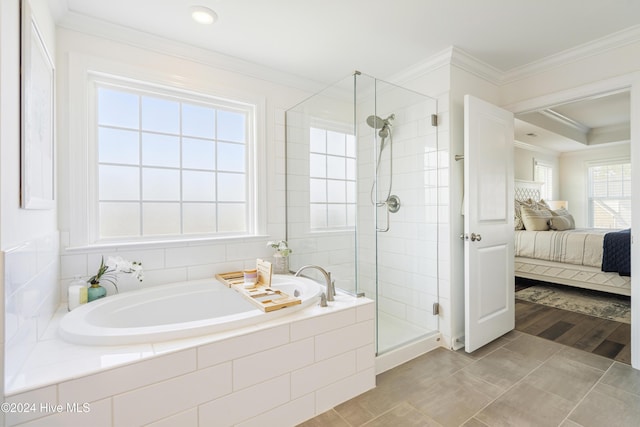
(524, 158)
(176, 261)
(28, 238)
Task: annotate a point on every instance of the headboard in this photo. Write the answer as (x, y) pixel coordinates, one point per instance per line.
(525, 190)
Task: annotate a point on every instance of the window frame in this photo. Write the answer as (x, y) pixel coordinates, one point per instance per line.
(81, 217)
(590, 198)
(545, 193)
(347, 130)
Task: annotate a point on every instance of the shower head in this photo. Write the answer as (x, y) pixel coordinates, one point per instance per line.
(375, 122)
(378, 123)
(382, 124)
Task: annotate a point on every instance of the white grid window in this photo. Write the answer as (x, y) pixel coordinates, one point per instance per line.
(171, 164)
(610, 195)
(543, 172)
(332, 178)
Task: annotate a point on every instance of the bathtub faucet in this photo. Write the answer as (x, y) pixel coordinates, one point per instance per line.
(331, 290)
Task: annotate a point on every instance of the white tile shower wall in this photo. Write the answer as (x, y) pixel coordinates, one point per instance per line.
(31, 297)
(408, 253)
(333, 250)
(286, 373)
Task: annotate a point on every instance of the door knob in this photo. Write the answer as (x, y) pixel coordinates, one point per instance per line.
(475, 237)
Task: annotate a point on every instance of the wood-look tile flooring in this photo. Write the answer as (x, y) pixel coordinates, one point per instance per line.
(517, 380)
(604, 337)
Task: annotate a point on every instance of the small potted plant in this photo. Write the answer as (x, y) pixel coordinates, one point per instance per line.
(281, 256)
(108, 272)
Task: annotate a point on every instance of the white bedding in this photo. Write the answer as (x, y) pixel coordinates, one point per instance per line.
(579, 246)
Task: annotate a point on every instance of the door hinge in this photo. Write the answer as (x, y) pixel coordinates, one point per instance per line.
(436, 308)
(434, 120)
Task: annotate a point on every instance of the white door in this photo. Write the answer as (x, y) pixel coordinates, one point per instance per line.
(488, 222)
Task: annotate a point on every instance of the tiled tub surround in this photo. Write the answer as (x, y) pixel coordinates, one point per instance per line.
(31, 297)
(280, 372)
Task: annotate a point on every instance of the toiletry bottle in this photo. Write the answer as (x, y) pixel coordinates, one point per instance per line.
(76, 293)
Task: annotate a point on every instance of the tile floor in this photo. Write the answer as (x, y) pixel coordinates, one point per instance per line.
(517, 380)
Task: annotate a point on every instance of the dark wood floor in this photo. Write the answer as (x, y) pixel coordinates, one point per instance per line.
(606, 338)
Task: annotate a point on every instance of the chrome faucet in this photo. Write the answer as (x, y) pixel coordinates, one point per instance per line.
(331, 290)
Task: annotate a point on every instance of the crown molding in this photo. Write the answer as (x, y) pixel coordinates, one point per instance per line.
(456, 56)
(438, 60)
(84, 24)
(534, 148)
(596, 47)
(473, 65)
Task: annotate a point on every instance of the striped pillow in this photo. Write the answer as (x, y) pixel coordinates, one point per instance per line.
(535, 219)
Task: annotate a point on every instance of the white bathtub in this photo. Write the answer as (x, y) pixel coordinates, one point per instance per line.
(175, 311)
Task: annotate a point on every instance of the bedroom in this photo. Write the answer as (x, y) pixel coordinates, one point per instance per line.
(576, 156)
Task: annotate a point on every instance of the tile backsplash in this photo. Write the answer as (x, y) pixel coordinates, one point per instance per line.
(31, 296)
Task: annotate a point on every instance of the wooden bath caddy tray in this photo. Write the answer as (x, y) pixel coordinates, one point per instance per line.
(266, 298)
(261, 294)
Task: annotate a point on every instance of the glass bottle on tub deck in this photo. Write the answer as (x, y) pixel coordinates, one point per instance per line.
(280, 263)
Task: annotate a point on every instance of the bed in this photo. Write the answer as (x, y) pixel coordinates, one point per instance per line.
(566, 255)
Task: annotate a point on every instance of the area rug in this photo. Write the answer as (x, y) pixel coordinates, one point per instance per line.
(611, 307)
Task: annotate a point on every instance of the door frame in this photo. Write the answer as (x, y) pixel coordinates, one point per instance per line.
(629, 82)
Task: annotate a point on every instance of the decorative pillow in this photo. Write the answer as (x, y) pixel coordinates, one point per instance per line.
(560, 212)
(561, 223)
(543, 204)
(535, 219)
(517, 216)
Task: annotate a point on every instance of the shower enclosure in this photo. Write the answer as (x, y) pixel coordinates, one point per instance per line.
(362, 199)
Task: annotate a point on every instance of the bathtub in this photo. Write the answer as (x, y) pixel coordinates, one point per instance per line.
(175, 311)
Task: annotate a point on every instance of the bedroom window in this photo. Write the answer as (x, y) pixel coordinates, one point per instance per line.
(609, 195)
(170, 164)
(543, 172)
(332, 177)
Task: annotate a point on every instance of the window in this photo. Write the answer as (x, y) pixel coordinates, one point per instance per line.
(332, 177)
(171, 163)
(610, 195)
(543, 172)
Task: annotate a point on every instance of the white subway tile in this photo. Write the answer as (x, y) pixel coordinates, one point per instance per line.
(31, 400)
(183, 419)
(244, 345)
(73, 265)
(119, 380)
(194, 255)
(96, 414)
(321, 374)
(339, 341)
(271, 363)
(160, 400)
(320, 324)
(366, 357)
(344, 390)
(246, 403)
(289, 414)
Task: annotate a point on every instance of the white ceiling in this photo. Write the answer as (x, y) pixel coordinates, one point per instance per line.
(323, 41)
(326, 40)
(577, 125)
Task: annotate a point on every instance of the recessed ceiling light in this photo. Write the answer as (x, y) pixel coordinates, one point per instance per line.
(531, 134)
(203, 15)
